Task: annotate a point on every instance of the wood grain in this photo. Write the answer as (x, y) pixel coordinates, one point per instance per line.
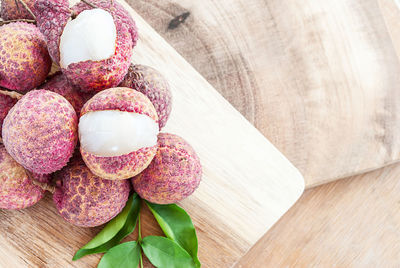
(348, 223)
(247, 183)
(351, 223)
(318, 78)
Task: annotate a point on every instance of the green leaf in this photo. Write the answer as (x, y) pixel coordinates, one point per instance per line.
(164, 252)
(126, 255)
(116, 230)
(178, 226)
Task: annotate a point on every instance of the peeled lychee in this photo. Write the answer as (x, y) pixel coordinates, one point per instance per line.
(14, 9)
(17, 191)
(6, 103)
(24, 59)
(84, 199)
(152, 84)
(40, 131)
(118, 131)
(174, 173)
(95, 48)
(58, 83)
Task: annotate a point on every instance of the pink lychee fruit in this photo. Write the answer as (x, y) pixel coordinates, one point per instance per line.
(6, 103)
(40, 131)
(83, 199)
(151, 83)
(118, 131)
(58, 83)
(17, 191)
(24, 59)
(174, 173)
(14, 9)
(94, 49)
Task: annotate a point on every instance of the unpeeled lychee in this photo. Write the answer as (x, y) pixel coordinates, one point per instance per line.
(14, 9)
(6, 103)
(17, 191)
(174, 173)
(24, 59)
(40, 131)
(151, 83)
(81, 47)
(118, 131)
(58, 83)
(86, 200)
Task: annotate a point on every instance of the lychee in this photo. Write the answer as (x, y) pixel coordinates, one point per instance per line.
(17, 191)
(14, 9)
(95, 48)
(40, 131)
(174, 173)
(151, 83)
(24, 59)
(58, 83)
(86, 200)
(118, 131)
(7, 101)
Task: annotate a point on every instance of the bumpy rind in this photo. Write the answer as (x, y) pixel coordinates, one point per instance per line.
(40, 131)
(174, 174)
(85, 200)
(16, 189)
(13, 10)
(129, 165)
(6, 103)
(58, 83)
(51, 18)
(151, 83)
(94, 76)
(24, 58)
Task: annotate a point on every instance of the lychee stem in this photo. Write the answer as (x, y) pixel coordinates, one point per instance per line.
(12, 94)
(44, 186)
(89, 4)
(19, 20)
(28, 9)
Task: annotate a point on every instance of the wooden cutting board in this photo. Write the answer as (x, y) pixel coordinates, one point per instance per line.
(319, 78)
(247, 183)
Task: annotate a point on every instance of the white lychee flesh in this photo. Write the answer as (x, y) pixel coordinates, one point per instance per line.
(90, 36)
(114, 133)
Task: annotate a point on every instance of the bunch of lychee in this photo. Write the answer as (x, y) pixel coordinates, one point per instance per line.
(90, 131)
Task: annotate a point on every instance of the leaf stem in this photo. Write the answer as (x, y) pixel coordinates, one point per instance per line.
(89, 4)
(28, 9)
(2, 22)
(141, 258)
(139, 230)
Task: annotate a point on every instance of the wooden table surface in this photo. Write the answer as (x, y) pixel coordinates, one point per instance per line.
(349, 223)
(318, 78)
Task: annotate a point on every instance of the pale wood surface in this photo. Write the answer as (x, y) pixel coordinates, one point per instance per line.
(318, 78)
(244, 174)
(349, 223)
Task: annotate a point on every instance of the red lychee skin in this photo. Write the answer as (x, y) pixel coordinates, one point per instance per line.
(174, 174)
(128, 165)
(51, 18)
(40, 131)
(6, 103)
(58, 83)
(94, 76)
(24, 59)
(151, 83)
(83, 199)
(16, 189)
(10, 10)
